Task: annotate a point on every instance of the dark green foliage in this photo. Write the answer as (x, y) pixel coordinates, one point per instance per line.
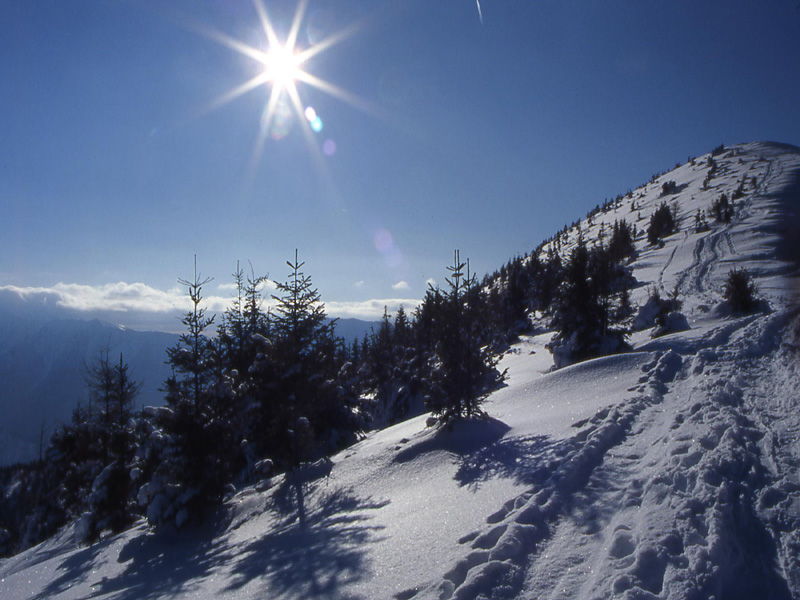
(85, 471)
(662, 224)
(593, 298)
(463, 368)
(621, 245)
(722, 209)
(740, 291)
(307, 399)
(392, 370)
(191, 434)
(700, 222)
(668, 187)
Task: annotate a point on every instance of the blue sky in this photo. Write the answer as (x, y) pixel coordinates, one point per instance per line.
(117, 165)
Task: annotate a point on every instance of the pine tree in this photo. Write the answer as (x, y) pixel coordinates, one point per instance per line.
(314, 414)
(740, 291)
(662, 223)
(189, 434)
(463, 368)
(621, 244)
(593, 295)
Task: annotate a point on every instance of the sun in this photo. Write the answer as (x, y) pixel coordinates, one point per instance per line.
(283, 67)
(282, 70)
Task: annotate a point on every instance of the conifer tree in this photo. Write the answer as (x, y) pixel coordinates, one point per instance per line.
(190, 436)
(313, 413)
(463, 367)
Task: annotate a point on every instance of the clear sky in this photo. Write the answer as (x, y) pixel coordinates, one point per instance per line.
(125, 149)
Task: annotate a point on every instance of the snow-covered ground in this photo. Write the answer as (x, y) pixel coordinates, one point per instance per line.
(667, 472)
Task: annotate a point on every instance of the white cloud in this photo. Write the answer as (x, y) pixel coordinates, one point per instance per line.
(359, 284)
(369, 310)
(141, 306)
(114, 297)
(267, 285)
(401, 285)
(431, 282)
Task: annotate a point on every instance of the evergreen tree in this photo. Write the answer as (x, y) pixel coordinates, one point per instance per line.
(740, 291)
(463, 368)
(722, 209)
(621, 244)
(662, 223)
(314, 414)
(593, 297)
(190, 435)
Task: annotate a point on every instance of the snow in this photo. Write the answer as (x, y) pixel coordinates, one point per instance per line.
(667, 472)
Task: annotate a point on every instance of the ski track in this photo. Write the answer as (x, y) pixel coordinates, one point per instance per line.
(710, 510)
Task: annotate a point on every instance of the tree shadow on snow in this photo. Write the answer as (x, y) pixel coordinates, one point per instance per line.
(526, 460)
(165, 564)
(319, 548)
(76, 567)
(460, 437)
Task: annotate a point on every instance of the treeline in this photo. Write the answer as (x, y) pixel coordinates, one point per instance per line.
(276, 388)
(271, 390)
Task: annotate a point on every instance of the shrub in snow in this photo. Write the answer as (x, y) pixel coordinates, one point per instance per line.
(662, 314)
(567, 351)
(672, 321)
(740, 291)
(662, 223)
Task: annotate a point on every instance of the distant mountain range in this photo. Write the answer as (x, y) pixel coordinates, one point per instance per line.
(43, 360)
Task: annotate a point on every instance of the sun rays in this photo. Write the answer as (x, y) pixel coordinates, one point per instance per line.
(281, 68)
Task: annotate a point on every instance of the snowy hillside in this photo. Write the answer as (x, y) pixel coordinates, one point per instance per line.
(667, 472)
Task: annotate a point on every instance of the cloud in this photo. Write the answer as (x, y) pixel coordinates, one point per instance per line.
(136, 305)
(431, 282)
(401, 285)
(114, 297)
(369, 310)
(267, 285)
(141, 306)
(359, 284)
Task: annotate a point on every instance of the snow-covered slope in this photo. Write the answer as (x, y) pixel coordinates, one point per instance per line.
(667, 472)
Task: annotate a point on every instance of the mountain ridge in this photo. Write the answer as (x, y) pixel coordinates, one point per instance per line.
(665, 472)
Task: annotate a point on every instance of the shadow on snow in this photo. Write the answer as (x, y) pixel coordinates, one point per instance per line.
(527, 460)
(158, 564)
(318, 548)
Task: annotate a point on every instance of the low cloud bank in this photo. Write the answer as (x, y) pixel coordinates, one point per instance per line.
(140, 306)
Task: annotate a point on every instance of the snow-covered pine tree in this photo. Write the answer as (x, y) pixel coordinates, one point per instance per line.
(190, 434)
(463, 368)
(591, 301)
(314, 414)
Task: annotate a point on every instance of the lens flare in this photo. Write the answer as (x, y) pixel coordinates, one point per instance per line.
(278, 123)
(329, 147)
(383, 240)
